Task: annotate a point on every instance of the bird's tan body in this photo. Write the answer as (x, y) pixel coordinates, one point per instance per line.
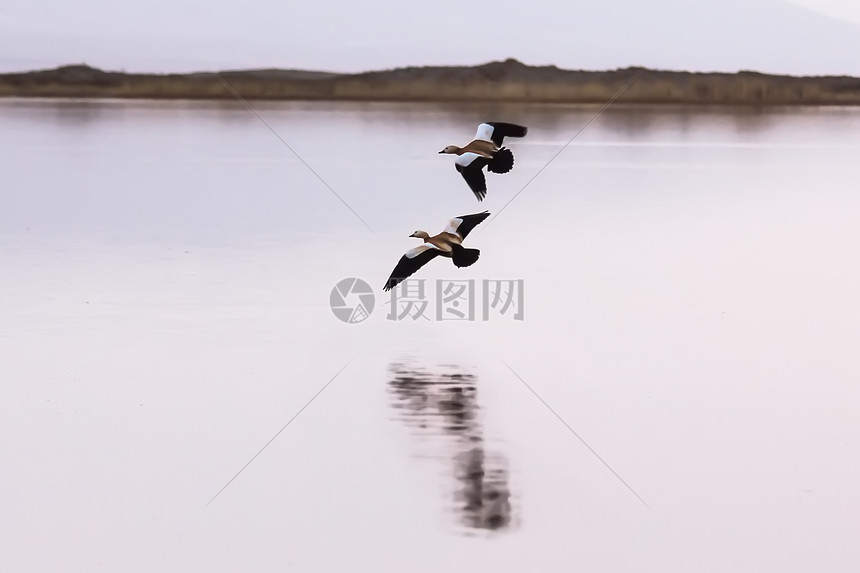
(479, 146)
(444, 241)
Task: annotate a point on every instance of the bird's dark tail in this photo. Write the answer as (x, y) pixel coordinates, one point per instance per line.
(502, 161)
(464, 257)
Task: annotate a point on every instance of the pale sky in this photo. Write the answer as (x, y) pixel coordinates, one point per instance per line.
(797, 37)
(845, 9)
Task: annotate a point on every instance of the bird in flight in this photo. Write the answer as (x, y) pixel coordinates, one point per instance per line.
(485, 151)
(448, 243)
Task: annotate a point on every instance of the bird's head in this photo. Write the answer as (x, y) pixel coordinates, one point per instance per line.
(420, 235)
(450, 149)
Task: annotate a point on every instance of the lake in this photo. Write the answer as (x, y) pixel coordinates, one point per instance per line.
(652, 367)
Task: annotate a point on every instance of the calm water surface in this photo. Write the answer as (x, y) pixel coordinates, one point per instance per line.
(690, 320)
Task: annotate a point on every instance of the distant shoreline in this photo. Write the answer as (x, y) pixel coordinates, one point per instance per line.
(496, 82)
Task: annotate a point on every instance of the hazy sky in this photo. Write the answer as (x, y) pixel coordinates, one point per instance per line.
(800, 36)
(847, 9)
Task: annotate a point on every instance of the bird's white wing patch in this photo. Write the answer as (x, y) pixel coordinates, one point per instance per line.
(466, 159)
(453, 225)
(412, 253)
(485, 132)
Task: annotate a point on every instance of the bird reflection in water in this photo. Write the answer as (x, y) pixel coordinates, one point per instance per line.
(443, 403)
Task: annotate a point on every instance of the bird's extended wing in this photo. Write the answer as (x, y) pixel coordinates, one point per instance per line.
(497, 131)
(463, 224)
(470, 166)
(409, 263)
(485, 132)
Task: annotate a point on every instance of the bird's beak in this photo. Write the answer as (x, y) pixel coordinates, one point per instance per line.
(443, 151)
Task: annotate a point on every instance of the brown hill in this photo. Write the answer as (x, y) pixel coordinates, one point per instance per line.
(509, 81)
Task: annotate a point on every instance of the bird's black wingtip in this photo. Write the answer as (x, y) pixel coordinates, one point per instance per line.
(508, 129)
(483, 215)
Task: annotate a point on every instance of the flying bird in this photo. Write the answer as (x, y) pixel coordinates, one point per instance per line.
(448, 243)
(485, 151)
